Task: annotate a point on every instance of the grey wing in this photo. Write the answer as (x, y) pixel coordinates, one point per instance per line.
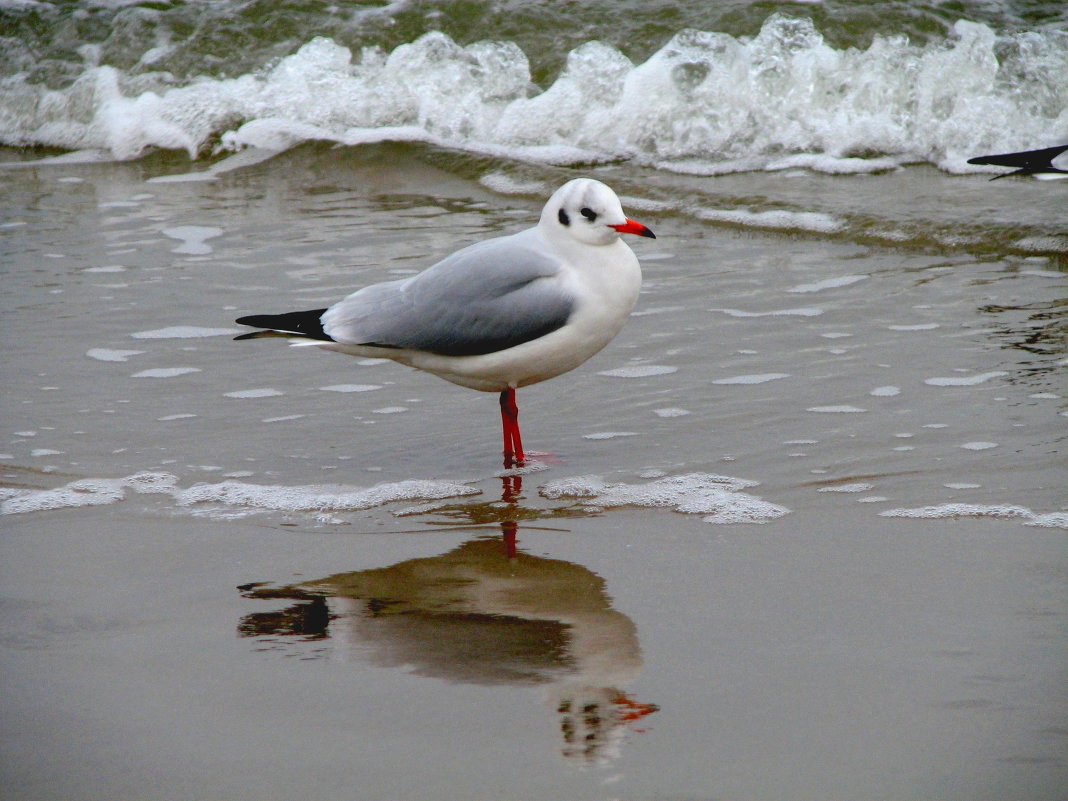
(482, 299)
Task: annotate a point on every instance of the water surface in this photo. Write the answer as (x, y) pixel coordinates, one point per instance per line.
(797, 533)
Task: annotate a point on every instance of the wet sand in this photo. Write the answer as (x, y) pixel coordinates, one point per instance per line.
(222, 578)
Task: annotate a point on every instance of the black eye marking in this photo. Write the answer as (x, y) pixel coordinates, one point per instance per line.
(563, 218)
(589, 214)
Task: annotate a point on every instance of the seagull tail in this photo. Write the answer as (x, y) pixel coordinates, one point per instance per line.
(305, 324)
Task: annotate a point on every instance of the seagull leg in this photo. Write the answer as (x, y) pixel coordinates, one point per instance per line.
(513, 444)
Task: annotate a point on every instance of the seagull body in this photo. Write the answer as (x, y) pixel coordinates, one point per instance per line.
(500, 314)
(1039, 163)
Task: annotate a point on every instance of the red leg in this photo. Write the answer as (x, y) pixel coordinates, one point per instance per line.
(513, 443)
(506, 428)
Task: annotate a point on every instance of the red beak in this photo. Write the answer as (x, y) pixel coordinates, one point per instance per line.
(631, 227)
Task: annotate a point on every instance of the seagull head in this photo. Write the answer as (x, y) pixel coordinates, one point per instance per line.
(589, 212)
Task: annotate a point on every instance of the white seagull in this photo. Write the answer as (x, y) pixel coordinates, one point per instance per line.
(497, 315)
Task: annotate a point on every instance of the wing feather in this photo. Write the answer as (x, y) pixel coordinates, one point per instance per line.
(485, 298)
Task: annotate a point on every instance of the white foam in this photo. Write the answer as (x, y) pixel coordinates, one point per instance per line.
(281, 419)
(610, 434)
(193, 238)
(108, 355)
(761, 378)
(109, 268)
(45, 452)
(829, 283)
(979, 446)
(832, 165)
(169, 417)
(231, 493)
(963, 381)
(655, 206)
(885, 392)
(993, 511)
(776, 219)
(916, 327)
(671, 411)
(807, 311)
(318, 498)
(165, 372)
(1042, 243)
(351, 388)
(184, 332)
(843, 409)
(639, 371)
(260, 392)
(705, 103)
(79, 493)
(854, 487)
(718, 498)
(390, 410)
(86, 492)
(960, 485)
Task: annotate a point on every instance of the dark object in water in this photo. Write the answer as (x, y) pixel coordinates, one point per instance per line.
(1038, 163)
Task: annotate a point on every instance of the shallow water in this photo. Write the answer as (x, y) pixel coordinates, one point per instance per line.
(798, 532)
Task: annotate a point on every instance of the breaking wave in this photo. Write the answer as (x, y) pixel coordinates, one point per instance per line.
(705, 103)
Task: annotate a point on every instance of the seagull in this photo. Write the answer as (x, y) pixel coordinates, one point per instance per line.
(1038, 163)
(499, 314)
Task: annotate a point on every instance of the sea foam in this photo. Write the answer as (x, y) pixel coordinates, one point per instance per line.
(718, 498)
(990, 511)
(705, 103)
(232, 494)
(87, 492)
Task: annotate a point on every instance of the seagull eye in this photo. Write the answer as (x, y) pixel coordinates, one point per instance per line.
(588, 213)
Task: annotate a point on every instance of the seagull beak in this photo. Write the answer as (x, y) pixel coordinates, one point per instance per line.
(631, 227)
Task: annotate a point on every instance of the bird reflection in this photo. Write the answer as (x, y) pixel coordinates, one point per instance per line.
(483, 613)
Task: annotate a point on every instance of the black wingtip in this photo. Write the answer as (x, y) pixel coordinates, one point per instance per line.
(1026, 162)
(299, 323)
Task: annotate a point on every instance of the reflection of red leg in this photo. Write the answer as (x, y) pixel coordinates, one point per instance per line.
(508, 536)
(513, 444)
(630, 710)
(511, 489)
